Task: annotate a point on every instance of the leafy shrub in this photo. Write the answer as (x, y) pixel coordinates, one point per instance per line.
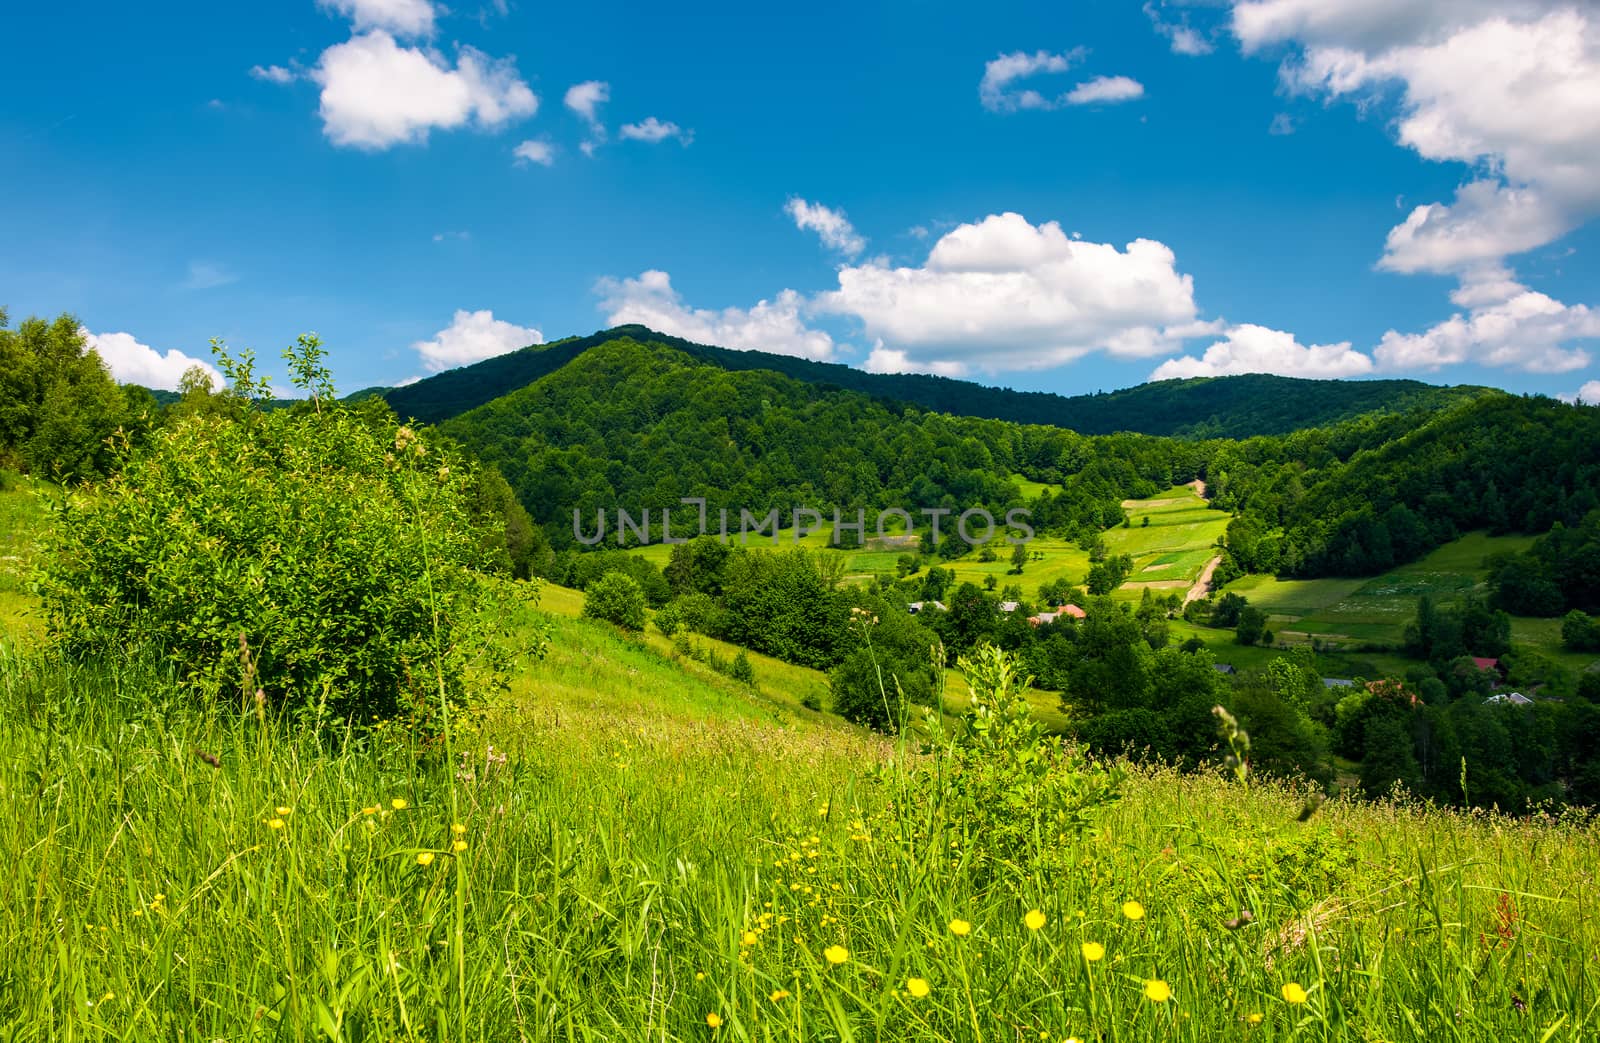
(740, 669)
(616, 598)
(669, 620)
(323, 551)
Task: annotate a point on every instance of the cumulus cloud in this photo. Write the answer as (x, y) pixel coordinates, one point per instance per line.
(1505, 324)
(1509, 87)
(998, 90)
(777, 326)
(377, 94)
(831, 226)
(131, 362)
(272, 74)
(401, 17)
(1588, 395)
(586, 98)
(1104, 90)
(1004, 294)
(540, 152)
(1249, 348)
(473, 336)
(654, 131)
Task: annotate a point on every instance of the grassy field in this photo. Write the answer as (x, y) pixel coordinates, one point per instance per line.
(1168, 554)
(22, 518)
(645, 854)
(1349, 613)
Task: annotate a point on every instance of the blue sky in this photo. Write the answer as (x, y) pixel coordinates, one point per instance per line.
(1313, 187)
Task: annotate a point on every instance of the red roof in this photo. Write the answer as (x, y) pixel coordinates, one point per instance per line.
(1485, 664)
(1073, 610)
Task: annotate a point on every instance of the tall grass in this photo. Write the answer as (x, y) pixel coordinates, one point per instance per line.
(640, 869)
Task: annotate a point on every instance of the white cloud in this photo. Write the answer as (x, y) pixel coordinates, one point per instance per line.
(1257, 349)
(131, 362)
(586, 98)
(998, 93)
(1183, 37)
(540, 152)
(653, 131)
(1105, 90)
(1509, 87)
(835, 230)
(995, 91)
(1588, 395)
(473, 336)
(401, 17)
(376, 94)
(1003, 294)
(273, 74)
(1505, 325)
(776, 326)
(1282, 124)
(205, 275)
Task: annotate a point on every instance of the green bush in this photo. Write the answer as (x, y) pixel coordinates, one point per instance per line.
(320, 555)
(616, 598)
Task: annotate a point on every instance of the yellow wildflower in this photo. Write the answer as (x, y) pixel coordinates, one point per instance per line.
(960, 928)
(714, 1020)
(425, 858)
(750, 938)
(918, 987)
(779, 995)
(1034, 920)
(373, 810)
(1293, 993)
(1157, 990)
(398, 803)
(275, 823)
(836, 954)
(281, 810)
(458, 829)
(1133, 910)
(458, 846)
(1254, 1019)
(1093, 951)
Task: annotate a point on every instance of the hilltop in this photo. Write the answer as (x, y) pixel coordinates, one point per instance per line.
(1208, 407)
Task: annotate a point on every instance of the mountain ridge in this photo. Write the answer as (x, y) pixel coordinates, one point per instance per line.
(1198, 407)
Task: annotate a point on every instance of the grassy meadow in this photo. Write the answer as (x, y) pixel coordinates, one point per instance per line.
(626, 845)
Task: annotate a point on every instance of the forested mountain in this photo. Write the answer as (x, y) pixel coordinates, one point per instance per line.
(1202, 407)
(639, 426)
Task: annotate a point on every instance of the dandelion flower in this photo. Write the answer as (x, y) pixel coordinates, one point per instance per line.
(458, 846)
(425, 858)
(778, 995)
(714, 1020)
(398, 803)
(1254, 1019)
(275, 823)
(699, 975)
(1034, 920)
(918, 987)
(373, 810)
(1093, 951)
(458, 829)
(281, 810)
(1293, 993)
(750, 938)
(960, 928)
(836, 954)
(1133, 910)
(1157, 990)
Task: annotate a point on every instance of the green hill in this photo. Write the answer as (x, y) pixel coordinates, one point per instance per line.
(1222, 407)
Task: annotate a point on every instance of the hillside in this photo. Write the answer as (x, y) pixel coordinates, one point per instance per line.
(1202, 407)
